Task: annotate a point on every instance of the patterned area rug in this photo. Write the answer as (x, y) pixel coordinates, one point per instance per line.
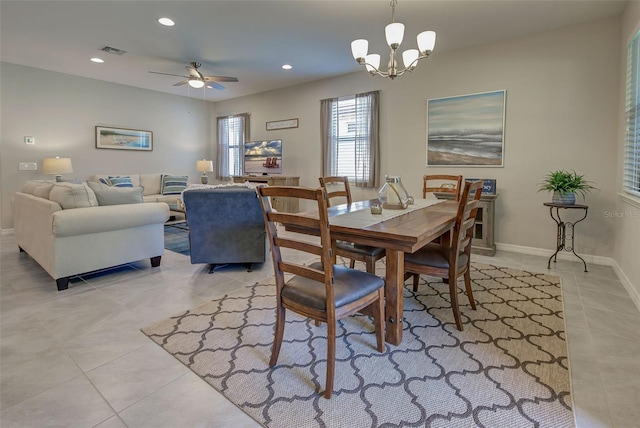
(176, 237)
(509, 367)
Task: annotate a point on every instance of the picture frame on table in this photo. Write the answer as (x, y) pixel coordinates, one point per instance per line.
(123, 139)
(488, 185)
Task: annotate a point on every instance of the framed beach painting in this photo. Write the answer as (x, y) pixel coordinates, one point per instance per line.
(466, 130)
(123, 139)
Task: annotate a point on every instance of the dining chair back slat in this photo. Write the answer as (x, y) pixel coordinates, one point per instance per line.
(336, 186)
(442, 183)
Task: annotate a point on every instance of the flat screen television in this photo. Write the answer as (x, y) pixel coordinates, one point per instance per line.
(263, 157)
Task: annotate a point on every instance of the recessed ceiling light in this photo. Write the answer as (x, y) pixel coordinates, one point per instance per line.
(98, 60)
(287, 67)
(168, 22)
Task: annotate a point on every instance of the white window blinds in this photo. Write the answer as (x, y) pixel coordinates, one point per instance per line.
(631, 179)
(232, 133)
(350, 138)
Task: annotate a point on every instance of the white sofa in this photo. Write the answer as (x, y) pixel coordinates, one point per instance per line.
(62, 227)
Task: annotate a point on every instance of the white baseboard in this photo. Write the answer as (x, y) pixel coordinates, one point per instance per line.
(562, 255)
(626, 282)
(6, 232)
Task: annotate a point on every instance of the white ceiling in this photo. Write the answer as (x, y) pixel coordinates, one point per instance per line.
(251, 40)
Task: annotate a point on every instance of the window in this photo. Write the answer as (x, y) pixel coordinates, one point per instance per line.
(631, 179)
(350, 142)
(233, 131)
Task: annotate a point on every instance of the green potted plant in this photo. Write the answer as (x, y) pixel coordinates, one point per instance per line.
(565, 185)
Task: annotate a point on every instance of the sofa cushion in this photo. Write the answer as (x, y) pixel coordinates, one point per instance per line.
(110, 195)
(174, 184)
(39, 188)
(70, 195)
(104, 178)
(152, 183)
(120, 181)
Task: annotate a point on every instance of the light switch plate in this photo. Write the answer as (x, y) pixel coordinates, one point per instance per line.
(29, 140)
(28, 166)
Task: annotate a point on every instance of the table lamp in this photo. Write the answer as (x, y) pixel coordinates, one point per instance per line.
(204, 166)
(57, 166)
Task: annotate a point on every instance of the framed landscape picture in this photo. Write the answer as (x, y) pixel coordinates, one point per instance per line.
(123, 139)
(466, 130)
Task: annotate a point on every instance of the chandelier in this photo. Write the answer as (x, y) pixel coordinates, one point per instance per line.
(394, 33)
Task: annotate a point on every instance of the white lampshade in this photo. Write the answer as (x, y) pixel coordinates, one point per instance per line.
(359, 48)
(194, 83)
(374, 60)
(394, 33)
(57, 166)
(204, 165)
(409, 56)
(426, 41)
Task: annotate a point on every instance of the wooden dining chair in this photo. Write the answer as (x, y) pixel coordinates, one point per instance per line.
(442, 183)
(450, 261)
(338, 187)
(322, 291)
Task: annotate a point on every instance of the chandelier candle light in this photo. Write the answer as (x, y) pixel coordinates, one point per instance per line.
(394, 33)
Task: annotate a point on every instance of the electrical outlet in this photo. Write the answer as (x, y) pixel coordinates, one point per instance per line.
(28, 166)
(29, 140)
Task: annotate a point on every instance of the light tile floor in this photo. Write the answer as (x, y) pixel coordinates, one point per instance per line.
(78, 359)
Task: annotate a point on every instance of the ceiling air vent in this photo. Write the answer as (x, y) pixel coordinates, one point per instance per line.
(115, 51)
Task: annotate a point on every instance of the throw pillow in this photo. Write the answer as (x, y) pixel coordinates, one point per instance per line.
(70, 195)
(121, 181)
(174, 184)
(105, 181)
(108, 195)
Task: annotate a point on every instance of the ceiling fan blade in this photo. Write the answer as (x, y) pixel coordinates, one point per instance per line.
(193, 72)
(220, 79)
(168, 74)
(185, 81)
(215, 85)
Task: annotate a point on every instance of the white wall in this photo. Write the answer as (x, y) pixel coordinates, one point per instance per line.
(562, 105)
(61, 112)
(627, 214)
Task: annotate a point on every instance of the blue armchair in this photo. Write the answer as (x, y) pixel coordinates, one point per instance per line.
(226, 225)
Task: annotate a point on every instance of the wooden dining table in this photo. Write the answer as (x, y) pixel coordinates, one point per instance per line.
(407, 232)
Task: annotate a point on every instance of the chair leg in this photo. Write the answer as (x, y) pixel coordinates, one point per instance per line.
(317, 323)
(467, 285)
(331, 358)
(352, 264)
(370, 264)
(453, 291)
(378, 320)
(278, 335)
(416, 281)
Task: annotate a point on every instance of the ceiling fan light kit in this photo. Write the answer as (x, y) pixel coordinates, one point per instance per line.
(394, 34)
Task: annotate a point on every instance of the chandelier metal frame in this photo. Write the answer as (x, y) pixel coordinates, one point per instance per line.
(394, 33)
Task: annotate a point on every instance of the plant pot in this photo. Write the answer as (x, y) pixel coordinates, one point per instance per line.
(563, 198)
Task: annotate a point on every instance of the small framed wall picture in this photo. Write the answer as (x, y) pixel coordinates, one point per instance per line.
(123, 139)
(282, 124)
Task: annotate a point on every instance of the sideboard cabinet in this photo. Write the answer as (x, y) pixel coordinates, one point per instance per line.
(288, 205)
(482, 242)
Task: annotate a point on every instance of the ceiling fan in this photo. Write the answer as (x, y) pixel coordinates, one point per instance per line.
(195, 79)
